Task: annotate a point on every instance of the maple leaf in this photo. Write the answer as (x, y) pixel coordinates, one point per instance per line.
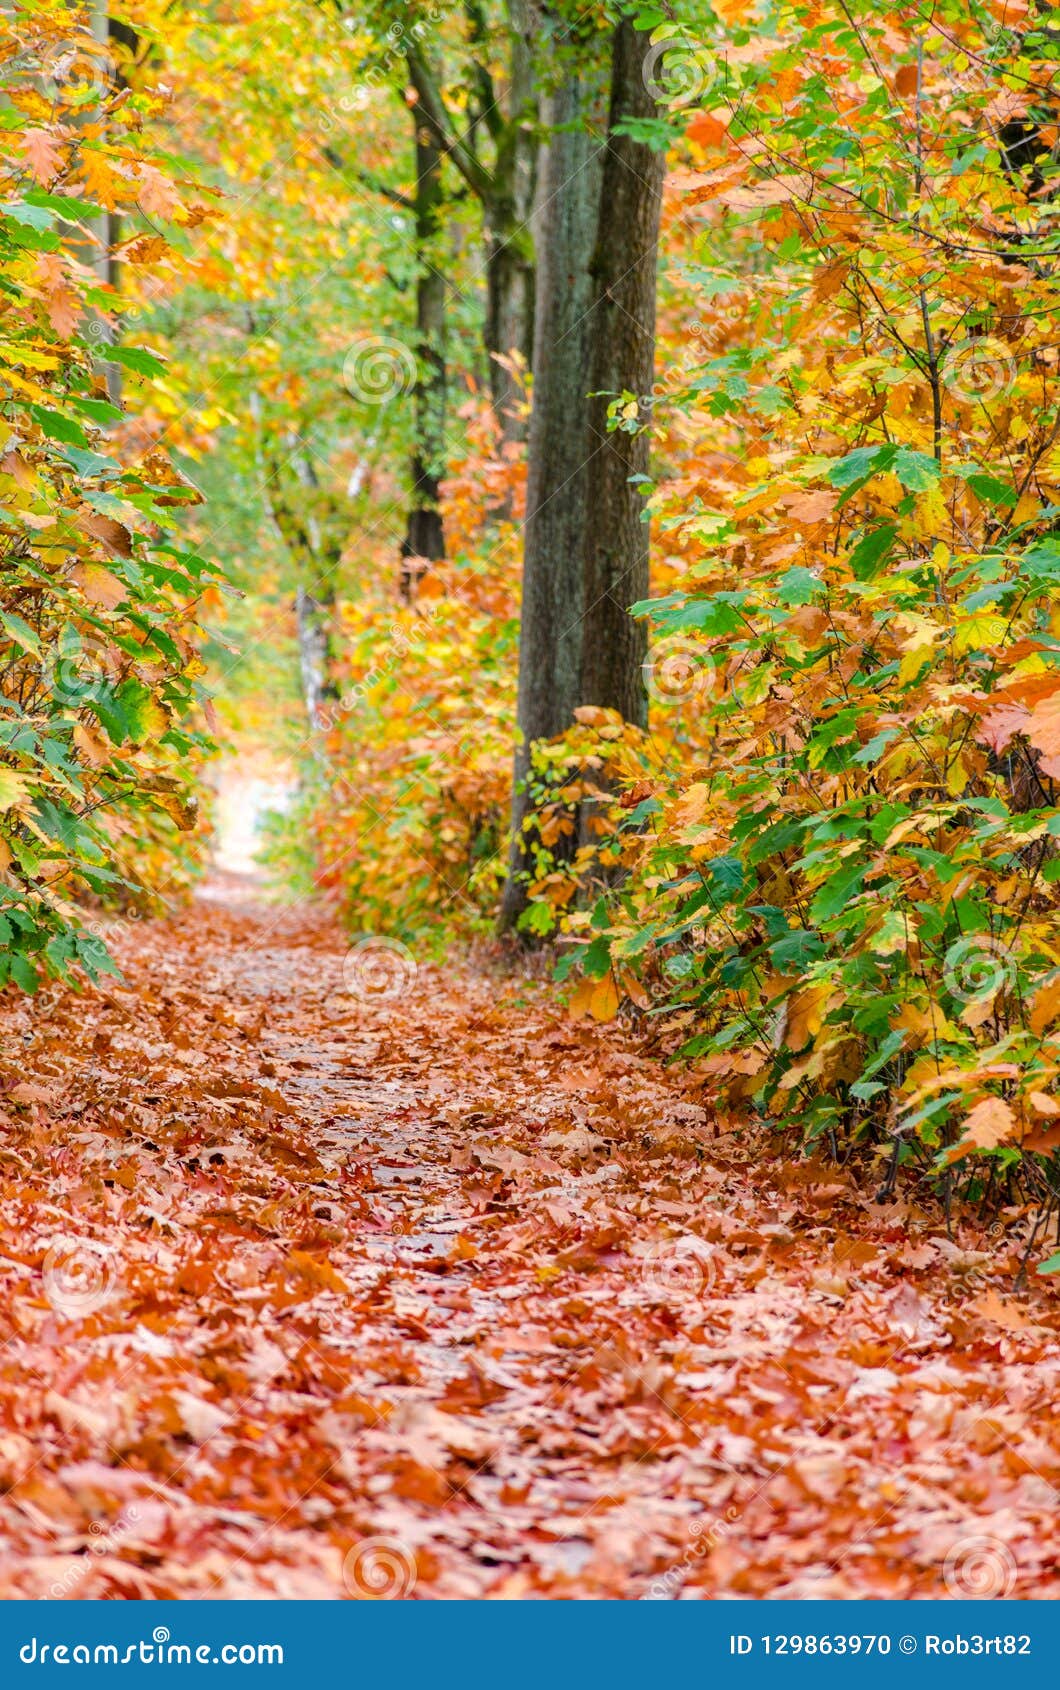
(811, 507)
(45, 154)
(107, 180)
(1043, 731)
(1000, 725)
(61, 302)
(707, 129)
(144, 249)
(986, 1126)
(828, 279)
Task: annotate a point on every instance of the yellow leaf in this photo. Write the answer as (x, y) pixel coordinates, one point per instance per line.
(805, 1016)
(13, 789)
(317, 1271)
(692, 805)
(975, 633)
(956, 777)
(595, 998)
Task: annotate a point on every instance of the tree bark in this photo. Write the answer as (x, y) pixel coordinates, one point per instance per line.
(314, 624)
(557, 472)
(622, 359)
(315, 557)
(424, 535)
(509, 322)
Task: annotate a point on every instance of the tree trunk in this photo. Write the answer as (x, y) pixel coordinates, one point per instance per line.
(424, 536)
(505, 190)
(510, 261)
(557, 473)
(622, 359)
(509, 324)
(314, 623)
(315, 559)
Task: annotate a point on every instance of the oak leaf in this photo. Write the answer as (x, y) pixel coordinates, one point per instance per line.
(44, 154)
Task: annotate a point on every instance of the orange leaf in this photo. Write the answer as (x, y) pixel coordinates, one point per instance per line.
(99, 585)
(706, 128)
(44, 154)
(1045, 1006)
(115, 535)
(1043, 731)
(595, 998)
(989, 1124)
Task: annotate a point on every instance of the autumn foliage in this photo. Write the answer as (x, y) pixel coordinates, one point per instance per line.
(100, 701)
(618, 1161)
(825, 875)
(840, 857)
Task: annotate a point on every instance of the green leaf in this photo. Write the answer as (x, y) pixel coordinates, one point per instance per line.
(71, 210)
(24, 974)
(1050, 1265)
(876, 746)
(871, 550)
(861, 465)
(993, 491)
(90, 463)
(35, 217)
(709, 616)
(1042, 561)
(596, 958)
(97, 410)
(58, 427)
(834, 896)
(799, 585)
(20, 631)
(916, 470)
(137, 359)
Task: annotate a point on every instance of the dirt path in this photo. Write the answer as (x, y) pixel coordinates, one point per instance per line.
(315, 1293)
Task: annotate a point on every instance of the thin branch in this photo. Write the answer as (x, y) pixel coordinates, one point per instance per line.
(431, 107)
(369, 180)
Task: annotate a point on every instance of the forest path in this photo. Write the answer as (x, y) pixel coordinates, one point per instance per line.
(436, 1293)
